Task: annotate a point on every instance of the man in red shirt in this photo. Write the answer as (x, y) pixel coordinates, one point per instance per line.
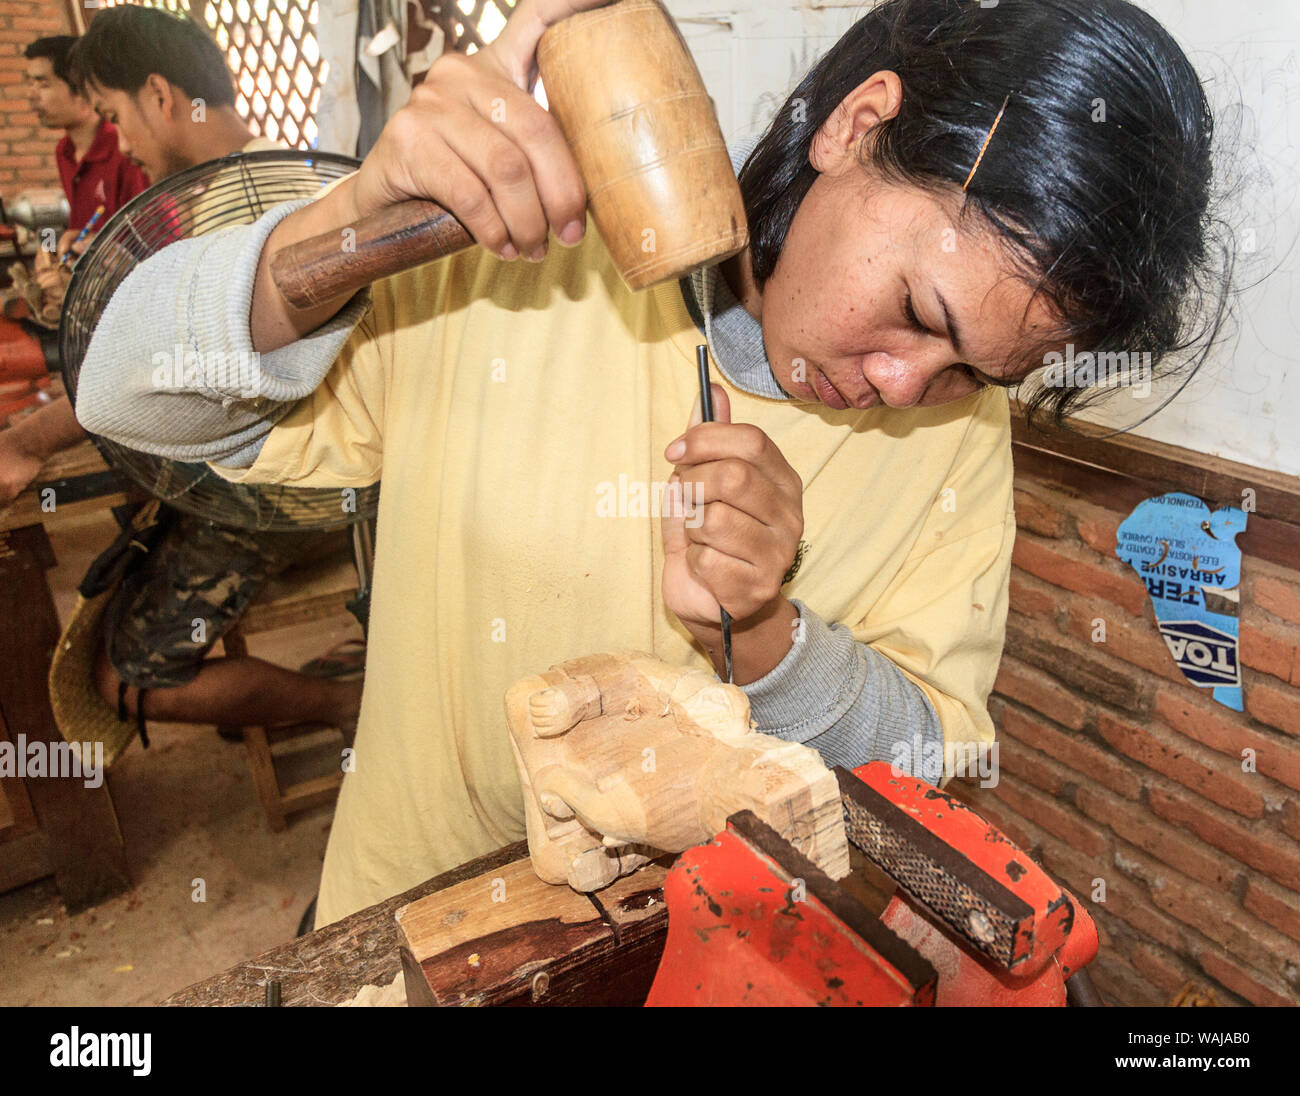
(91, 166)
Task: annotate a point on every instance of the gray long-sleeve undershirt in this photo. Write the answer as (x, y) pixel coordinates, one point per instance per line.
(830, 692)
(182, 316)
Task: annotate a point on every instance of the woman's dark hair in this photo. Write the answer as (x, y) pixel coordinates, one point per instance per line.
(54, 49)
(125, 45)
(1098, 177)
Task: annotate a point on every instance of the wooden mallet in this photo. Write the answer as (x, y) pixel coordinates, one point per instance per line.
(630, 102)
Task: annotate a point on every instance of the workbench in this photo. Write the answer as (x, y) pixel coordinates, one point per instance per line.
(49, 825)
(82, 483)
(333, 964)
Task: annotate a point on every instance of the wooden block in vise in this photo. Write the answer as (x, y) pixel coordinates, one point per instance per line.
(507, 938)
(623, 757)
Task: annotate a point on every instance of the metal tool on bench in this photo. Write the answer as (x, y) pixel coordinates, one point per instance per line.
(35, 210)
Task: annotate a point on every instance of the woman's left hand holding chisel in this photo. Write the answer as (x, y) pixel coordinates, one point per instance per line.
(733, 516)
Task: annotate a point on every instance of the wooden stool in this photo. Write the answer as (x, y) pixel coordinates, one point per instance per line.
(317, 591)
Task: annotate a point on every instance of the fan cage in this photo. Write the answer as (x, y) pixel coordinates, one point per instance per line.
(233, 190)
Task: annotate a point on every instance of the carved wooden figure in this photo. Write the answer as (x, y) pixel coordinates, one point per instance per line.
(624, 757)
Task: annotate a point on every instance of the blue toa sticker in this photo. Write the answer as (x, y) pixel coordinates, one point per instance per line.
(1190, 563)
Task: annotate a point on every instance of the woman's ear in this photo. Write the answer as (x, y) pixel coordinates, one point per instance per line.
(877, 99)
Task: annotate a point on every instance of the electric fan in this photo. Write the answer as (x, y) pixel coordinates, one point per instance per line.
(233, 190)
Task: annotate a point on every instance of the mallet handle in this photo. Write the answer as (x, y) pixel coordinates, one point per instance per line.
(338, 263)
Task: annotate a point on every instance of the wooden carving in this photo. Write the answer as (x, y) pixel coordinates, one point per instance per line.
(624, 757)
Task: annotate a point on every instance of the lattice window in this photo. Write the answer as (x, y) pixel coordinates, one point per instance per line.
(271, 48)
(472, 24)
(176, 7)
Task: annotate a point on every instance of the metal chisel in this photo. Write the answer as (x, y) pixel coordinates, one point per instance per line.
(706, 411)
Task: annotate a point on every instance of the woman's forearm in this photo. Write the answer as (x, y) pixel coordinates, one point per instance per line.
(273, 321)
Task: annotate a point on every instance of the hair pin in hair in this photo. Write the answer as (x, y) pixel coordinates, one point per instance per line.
(985, 145)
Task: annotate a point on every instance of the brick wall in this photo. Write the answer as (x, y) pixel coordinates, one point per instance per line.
(26, 150)
(1117, 772)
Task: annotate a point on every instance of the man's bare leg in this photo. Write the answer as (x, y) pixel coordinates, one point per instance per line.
(241, 692)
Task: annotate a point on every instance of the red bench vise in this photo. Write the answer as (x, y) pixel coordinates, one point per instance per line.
(975, 921)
